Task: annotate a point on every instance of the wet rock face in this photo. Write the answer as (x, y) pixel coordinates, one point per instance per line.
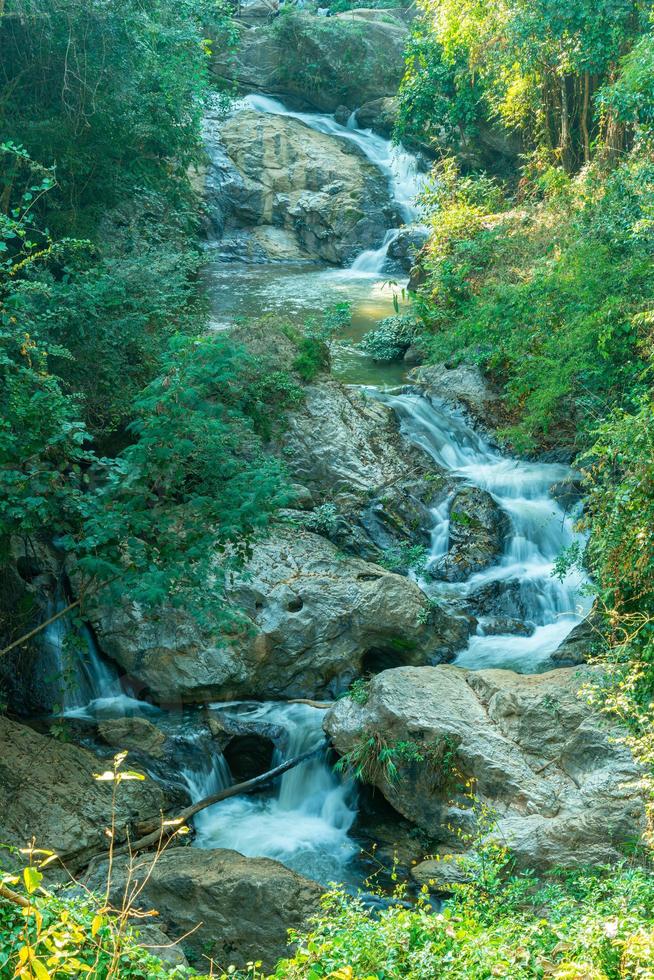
(378, 115)
(565, 791)
(134, 735)
(579, 644)
(48, 791)
(303, 194)
(346, 448)
(407, 245)
(227, 907)
(311, 614)
(325, 63)
(478, 528)
(463, 387)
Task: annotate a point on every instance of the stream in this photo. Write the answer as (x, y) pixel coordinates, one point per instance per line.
(306, 819)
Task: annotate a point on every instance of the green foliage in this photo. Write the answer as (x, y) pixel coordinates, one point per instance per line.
(534, 67)
(390, 339)
(596, 925)
(177, 508)
(135, 445)
(324, 520)
(359, 691)
(342, 6)
(631, 96)
(313, 341)
(439, 100)
(375, 760)
(405, 558)
(545, 297)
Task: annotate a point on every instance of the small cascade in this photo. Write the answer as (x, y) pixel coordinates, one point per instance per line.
(80, 682)
(540, 531)
(400, 168)
(304, 820)
(73, 665)
(440, 532)
(372, 261)
(205, 775)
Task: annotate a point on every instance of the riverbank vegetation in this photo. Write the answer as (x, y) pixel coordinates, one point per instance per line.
(100, 308)
(593, 925)
(545, 277)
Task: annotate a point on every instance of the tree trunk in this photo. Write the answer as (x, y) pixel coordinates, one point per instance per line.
(564, 145)
(584, 117)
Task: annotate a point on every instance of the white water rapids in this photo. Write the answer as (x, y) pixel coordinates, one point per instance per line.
(304, 823)
(539, 532)
(305, 819)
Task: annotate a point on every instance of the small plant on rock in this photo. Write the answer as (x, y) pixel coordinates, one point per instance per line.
(391, 338)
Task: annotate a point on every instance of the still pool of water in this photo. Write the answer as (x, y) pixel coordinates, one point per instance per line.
(296, 292)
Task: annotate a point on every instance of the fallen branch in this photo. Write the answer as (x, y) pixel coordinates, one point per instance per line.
(22, 640)
(170, 825)
(37, 629)
(13, 897)
(312, 704)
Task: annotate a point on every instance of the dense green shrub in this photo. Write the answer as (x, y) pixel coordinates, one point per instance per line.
(570, 927)
(544, 296)
(391, 338)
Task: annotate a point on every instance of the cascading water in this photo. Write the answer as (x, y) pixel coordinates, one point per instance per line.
(540, 531)
(73, 665)
(400, 168)
(304, 820)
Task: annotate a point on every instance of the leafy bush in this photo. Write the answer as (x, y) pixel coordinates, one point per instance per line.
(391, 338)
(374, 759)
(323, 520)
(570, 927)
(405, 558)
(544, 297)
(58, 936)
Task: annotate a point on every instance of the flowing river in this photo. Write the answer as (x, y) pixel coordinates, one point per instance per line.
(306, 819)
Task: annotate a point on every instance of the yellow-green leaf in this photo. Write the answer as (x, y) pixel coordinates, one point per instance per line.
(104, 777)
(32, 879)
(39, 971)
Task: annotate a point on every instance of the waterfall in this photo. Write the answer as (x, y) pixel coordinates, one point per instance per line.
(540, 531)
(304, 820)
(80, 682)
(400, 168)
(72, 663)
(208, 775)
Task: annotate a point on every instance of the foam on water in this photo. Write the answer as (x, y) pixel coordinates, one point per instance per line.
(540, 531)
(305, 819)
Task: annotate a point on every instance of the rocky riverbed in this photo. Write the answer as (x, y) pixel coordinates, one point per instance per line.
(414, 558)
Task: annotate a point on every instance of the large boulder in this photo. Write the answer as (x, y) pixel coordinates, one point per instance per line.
(378, 115)
(347, 449)
(478, 527)
(320, 190)
(313, 619)
(464, 387)
(404, 249)
(564, 790)
(324, 63)
(48, 791)
(220, 905)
